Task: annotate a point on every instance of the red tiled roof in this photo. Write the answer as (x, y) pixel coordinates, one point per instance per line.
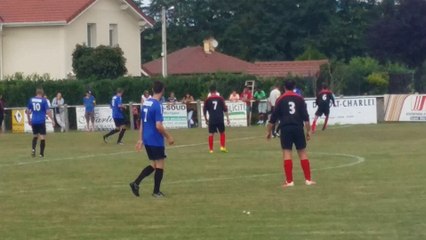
(285, 68)
(38, 11)
(193, 60)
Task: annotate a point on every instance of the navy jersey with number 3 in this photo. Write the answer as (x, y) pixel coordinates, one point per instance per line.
(215, 106)
(291, 110)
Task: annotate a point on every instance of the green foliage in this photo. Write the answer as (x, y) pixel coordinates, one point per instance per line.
(378, 82)
(420, 79)
(311, 53)
(102, 62)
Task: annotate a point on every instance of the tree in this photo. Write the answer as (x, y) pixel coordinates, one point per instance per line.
(400, 35)
(101, 62)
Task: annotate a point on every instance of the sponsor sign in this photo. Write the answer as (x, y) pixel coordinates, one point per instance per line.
(175, 116)
(405, 108)
(237, 114)
(348, 110)
(103, 118)
(20, 122)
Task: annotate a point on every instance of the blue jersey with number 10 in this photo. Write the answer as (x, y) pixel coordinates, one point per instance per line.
(117, 112)
(38, 107)
(152, 112)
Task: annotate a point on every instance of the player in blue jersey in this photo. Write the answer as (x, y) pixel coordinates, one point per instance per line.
(37, 109)
(152, 134)
(118, 116)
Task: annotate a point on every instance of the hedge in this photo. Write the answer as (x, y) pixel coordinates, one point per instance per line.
(17, 92)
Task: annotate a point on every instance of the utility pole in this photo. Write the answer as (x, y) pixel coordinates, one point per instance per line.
(164, 42)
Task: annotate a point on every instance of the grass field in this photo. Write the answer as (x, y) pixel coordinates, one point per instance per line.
(371, 185)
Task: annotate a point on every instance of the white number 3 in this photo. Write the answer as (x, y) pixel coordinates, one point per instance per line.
(292, 107)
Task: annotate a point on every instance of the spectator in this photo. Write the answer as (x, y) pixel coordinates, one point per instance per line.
(136, 119)
(298, 91)
(273, 96)
(145, 96)
(172, 98)
(89, 102)
(217, 93)
(234, 97)
(2, 107)
(48, 101)
(188, 99)
(59, 111)
(247, 96)
(262, 105)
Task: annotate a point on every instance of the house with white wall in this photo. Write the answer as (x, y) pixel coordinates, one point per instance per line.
(39, 36)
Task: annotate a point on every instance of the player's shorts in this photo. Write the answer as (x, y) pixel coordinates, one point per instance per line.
(39, 129)
(214, 128)
(322, 110)
(90, 116)
(263, 107)
(293, 135)
(155, 153)
(1, 119)
(119, 122)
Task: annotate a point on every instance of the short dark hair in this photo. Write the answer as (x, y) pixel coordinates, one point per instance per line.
(324, 85)
(213, 88)
(120, 90)
(289, 85)
(39, 91)
(158, 87)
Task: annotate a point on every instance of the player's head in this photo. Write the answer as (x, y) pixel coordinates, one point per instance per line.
(158, 87)
(213, 88)
(119, 91)
(40, 92)
(289, 85)
(324, 86)
(88, 93)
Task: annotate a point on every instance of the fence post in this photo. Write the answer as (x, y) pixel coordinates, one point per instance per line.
(132, 122)
(199, 114)
(66, 119)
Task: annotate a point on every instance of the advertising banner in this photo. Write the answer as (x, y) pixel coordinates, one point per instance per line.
(348, 110)
(103, 118)
(405, 108)
(20, 122)
(175, 116)
(237, 114)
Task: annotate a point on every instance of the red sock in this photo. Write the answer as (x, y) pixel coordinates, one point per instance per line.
(222, 139)
(306, 169)
(288, 169)
(325, 123)
(211, 143)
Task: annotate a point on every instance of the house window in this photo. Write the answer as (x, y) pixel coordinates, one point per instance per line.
(113, 35)
(91, 34)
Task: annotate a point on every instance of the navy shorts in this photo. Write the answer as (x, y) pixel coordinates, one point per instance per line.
(119, 122)
(39, 129)
(322, 110)
(155, 153)
(214, 128)
(293, 135)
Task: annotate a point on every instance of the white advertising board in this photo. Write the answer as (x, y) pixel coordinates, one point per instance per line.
(348, 110)
(405, 108)
(237, 114)
(175, 116)
(103, 118)
(28, 128)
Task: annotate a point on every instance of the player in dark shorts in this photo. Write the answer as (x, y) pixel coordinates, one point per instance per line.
(215, 106)
(2, 108)
(324, 99)
(118, 116)
(152, 134)
(37, 109)
(291, 111)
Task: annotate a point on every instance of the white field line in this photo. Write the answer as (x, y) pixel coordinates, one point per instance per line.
(357, 160)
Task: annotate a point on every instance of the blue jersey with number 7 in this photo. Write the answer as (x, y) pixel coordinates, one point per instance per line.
(152, 112)
(38, 106)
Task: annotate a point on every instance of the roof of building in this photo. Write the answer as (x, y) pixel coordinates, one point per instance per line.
(50, 11)
(194, 60)
(309, 68)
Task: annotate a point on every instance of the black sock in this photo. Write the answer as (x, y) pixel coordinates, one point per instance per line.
(112, 132)
(145, 173)
(157, 179)
(42, 146)
(121, 135)
(34, 145)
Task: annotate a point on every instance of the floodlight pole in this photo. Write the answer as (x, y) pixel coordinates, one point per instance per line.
(164, 42)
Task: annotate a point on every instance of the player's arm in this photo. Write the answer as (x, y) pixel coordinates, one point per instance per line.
(205, 112)
(272, 121)
(28, 112)
(160, 127)
(225, 110)
(139, 143)
(332, 99)
(305, 116)
(49, 113)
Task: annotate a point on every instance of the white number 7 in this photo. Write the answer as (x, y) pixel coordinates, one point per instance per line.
(145, 110)
(215, 105)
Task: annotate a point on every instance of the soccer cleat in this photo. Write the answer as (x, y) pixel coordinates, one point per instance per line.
(288, 184)
(41, 156)
(33, 153)
(211, 151)
(158, 195)
(135, 189)
(309, 182)
(105, 139)
(120, 143)
(223, 149)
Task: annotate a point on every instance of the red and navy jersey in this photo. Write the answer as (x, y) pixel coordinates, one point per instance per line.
(215, 106)
(324, 98)
(290, 109)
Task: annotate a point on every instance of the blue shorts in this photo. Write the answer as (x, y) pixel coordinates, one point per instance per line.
(155, 153)
(119, 122)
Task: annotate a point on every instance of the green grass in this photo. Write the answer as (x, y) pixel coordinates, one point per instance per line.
(80, 190)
